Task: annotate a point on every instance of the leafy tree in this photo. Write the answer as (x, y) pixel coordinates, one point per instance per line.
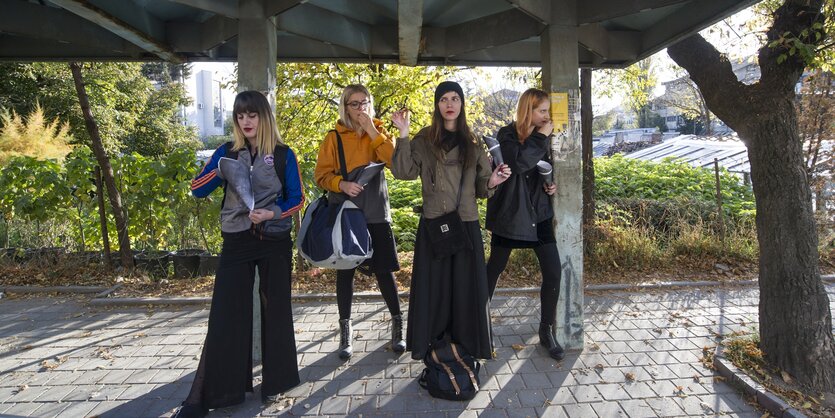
(129, 110)
(154, 134)
(636, 83)
(795, 318)
(684, 96)
(307, 96)
(33, 136)
(816, 123)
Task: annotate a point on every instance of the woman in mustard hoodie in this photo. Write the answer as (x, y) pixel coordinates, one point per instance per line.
(364, 140)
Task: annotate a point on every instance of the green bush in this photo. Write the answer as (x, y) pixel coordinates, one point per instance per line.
(620, 178)
(214, 141)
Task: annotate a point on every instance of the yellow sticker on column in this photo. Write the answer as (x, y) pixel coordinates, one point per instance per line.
(559, 111)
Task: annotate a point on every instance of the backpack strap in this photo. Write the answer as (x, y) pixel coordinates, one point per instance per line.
(280, 164)
(460, 361)
(229, 154)
(448, 372)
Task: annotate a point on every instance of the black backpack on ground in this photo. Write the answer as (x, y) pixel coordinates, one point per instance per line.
(451, 373)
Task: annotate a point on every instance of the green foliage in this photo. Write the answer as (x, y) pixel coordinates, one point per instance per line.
(814, 45)
(214, 141)
(626, 178)
(132, 115)
(635, 83)
(307, 96)
(404, 196)
(154, 134)
(33, 136)
(34, 189)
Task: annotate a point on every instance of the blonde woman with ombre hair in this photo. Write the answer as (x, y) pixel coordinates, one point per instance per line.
(257, 237)
(520, 215)
(362, 140)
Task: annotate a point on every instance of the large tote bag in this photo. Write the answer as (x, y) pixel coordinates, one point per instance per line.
(334, 235)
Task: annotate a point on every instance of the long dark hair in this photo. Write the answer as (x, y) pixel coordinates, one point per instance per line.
(464, 135)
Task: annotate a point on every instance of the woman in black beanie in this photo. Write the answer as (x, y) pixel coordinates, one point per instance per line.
(449, 292)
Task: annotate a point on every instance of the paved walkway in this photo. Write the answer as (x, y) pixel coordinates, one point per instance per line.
(61, 357)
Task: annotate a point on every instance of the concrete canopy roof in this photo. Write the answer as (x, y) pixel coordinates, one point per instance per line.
(611, 33)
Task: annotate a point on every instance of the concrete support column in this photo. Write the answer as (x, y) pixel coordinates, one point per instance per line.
(560, 79)
(256, 48)
(256, 71)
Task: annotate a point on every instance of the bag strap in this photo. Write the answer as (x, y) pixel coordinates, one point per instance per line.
(464, 365)
(448, 372)
(342, 165)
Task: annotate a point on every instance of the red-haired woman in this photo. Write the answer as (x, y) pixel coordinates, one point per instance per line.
(520, 215)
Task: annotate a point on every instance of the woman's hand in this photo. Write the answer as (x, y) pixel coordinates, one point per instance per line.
(260, 215)
(401, 121)
(367, 125)
(547, 129)
(550, 189)
(350, 188)
(500, 174)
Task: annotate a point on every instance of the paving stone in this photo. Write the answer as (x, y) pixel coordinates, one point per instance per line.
(608, 409)
(155, 356)
(586, 394)
(580, 410)
(665, 406)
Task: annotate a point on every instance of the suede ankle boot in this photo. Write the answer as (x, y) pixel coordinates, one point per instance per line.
(345, 332)
(549, 341)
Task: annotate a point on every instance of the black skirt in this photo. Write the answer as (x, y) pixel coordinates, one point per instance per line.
(544, 234)
(384, 259)
(449, 296)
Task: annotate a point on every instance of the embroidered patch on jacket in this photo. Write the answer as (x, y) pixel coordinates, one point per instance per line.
(269, 160)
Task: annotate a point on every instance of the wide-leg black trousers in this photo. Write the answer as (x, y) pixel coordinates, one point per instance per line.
(225, 370)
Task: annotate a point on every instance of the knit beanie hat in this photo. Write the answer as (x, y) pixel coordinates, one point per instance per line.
(446, 87)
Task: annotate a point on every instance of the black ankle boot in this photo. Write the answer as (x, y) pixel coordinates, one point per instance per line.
(190, 411)
(549, 341)
(397, 343)
(345, 347)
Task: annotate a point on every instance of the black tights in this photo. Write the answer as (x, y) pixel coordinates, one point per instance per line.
(345, 291)
(549, 264)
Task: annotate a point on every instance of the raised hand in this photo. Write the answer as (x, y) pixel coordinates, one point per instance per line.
(401, 121)
(547, 129)
(367, 125)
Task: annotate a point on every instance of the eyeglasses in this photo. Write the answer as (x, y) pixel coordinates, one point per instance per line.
(453, 99)
(357, 105)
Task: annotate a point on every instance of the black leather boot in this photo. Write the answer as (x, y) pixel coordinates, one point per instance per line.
(345, 332)
(397, 343)
(549, 341)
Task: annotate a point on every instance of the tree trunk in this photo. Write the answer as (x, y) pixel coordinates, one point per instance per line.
(107, 171)
(586, 118)
(795, 318)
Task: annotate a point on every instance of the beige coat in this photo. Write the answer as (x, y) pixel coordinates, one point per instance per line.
(440, 181)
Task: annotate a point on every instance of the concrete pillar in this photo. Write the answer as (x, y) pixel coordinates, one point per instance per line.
(256, 71)
(560, 79)
(256, 48)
